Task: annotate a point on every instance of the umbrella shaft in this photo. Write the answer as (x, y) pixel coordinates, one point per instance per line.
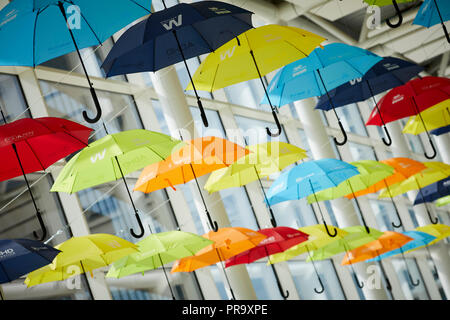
(376, 103)
(328, 94)
(167, 278)
(262, 81)
(126, 185)
(25, 177)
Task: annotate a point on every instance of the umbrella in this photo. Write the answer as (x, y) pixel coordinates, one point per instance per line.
(433, 12)
(396, 7)
(157, 250)
(443, 201)
(176, 34)
(440, 131)
(323, 70)
(433, 191)
(198, 157)
(318, 237)
(308, 178)
(411, 99)
(228, 242)
(111, 158)
(252, 55)
(24, 148)
(21, 256)
(263, 160)
(384, 75)
(81, 254)
(403, 169)
(435, 171)
(440, 231)
(370, 172)
(356, 236)
(437, 116)
(278, 240)
(33, 32)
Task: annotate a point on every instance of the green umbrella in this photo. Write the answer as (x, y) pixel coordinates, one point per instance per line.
(156, 250)
(371, 172)
(111, 158)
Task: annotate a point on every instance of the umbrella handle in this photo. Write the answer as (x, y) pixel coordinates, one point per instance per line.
(275, 117)
(142, 231)
(280, 288)
(273, 221)
(343, 133)
(322, 289)
(433, 220)
(447, 36)
(328, 231)
(389, 141)
(433, 155)
(399, 15)
(43, 228)
(202, 113)
(97, 108)
(360, 284)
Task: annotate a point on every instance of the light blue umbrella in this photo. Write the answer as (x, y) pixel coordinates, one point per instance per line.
(33, 32)
(323, 70)
(308, 178)
(433, 12)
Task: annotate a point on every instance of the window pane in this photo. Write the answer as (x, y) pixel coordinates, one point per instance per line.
(351, 119)
(361, 152)
(404, 272)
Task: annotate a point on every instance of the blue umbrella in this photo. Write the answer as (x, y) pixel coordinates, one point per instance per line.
(33, 32)
(323, 70)
(433, 191)
(387, 74)
(433, 12)
(439, 131)
(21, 256)
(308, 178)
(176, 34)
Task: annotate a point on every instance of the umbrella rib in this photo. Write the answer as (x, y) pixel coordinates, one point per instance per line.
(55, 132)
(92, 30)
(203, 38)
(140, 6)
(35, 155)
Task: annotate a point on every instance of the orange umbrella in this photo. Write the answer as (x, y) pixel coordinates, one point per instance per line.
(228, 242)
(390, 240)
(198, 157)
(403, 169)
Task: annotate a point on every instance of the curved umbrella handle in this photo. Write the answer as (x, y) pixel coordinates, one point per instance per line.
(328, 231)
(398, 217)
(97, 108)
(343, 133)
(397, 225)
(434, 151)
(414, 284)
(142, 231)
(399, 15)
(213, 224)
(360, 284)
(275, 117)
(43, 228)
(280, 288)
(322, 289)
(433, 221)
(389, 141)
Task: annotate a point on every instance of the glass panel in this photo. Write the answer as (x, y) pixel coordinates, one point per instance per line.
(351, 119)
(254, 131)
(411, 292)
(264, 281)
(385, 215)
(12, 101)
(361, 152)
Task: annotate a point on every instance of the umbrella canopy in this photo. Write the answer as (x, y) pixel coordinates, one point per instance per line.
(24, 148)
(80, 255)
(443, 201)
(323, 70)
(437, 116)
(157, 250)
(21, 256)
(278, 240)
(433, 12)
(396, 7)
(411, 99)
(384, 75)
(420, 239)
(388, 241)
(198, 157)
(176, 34)
(440, 231)
(434, 191)
(440, 131)
(34, 32)
(252, 55)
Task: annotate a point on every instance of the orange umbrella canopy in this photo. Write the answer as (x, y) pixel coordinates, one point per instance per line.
(198, 157)
(228, 242)
(403, 169)
(390, 240)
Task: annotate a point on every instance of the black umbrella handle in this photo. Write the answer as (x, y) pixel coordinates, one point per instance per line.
(277, 122)
(387, 142)
(141, 227)
(341, 143)
(417, 111)
(399, 15)
(98, 108)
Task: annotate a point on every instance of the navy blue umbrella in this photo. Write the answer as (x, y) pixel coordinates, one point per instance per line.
(176, 34)
(442, 130)
(21, 256)
(433, 191)
(387, 74)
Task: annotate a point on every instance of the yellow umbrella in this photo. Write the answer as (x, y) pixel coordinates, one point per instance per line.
(435, 117)
(440, 231)
(81, 254)
(263, 160)
(253, 54)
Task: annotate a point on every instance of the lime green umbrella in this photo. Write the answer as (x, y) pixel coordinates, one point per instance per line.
(442, 201)
(263, 160)
(157, 250)
(111, 158)
(371, 172)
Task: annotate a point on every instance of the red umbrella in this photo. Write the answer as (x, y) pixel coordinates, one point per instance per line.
(278, 240)
(410, 99)
(29, 145)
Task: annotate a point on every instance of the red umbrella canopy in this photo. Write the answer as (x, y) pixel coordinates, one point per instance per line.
(39, 143)
(409, 99)
(278, 240)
